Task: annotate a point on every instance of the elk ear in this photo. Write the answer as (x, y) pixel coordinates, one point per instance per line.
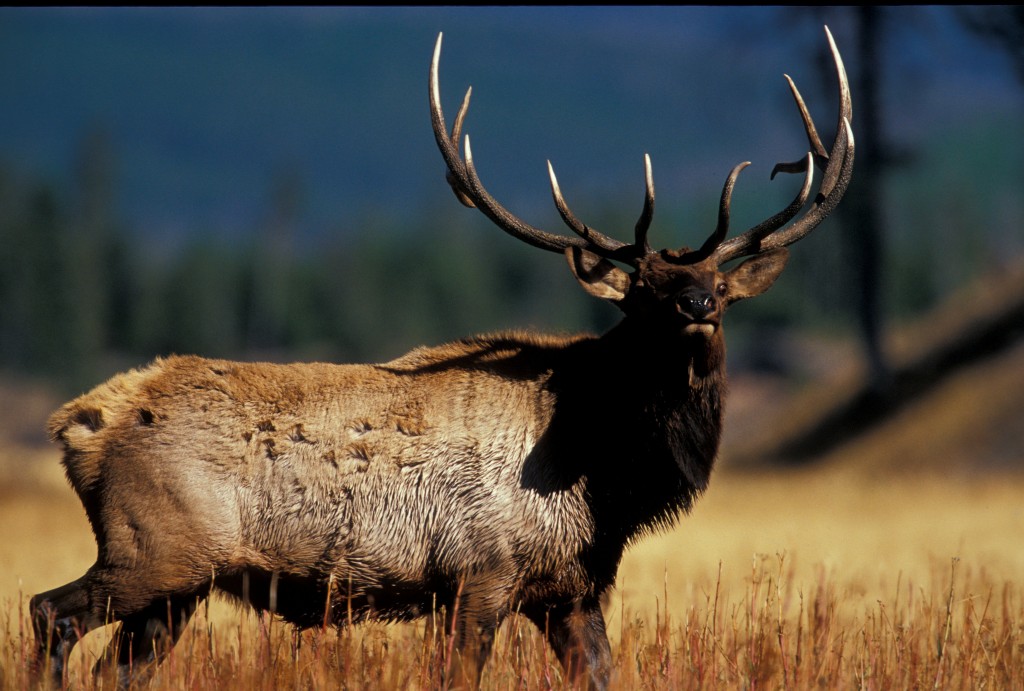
(597, 275)
(756, 275)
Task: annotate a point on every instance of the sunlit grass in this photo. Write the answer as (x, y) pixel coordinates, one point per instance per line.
(963, 630)
(826, 579)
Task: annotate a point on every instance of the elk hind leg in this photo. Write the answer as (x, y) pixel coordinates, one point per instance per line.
(474, 620)
(473, 643)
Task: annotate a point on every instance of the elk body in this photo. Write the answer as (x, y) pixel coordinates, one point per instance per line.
(495, 475)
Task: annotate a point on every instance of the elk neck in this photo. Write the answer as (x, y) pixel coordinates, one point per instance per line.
(660, 360)
(679, 382)
(652, 420)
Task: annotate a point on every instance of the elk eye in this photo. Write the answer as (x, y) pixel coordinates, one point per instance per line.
(722, 289)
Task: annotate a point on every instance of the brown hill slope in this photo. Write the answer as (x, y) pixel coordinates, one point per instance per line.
(954, 397)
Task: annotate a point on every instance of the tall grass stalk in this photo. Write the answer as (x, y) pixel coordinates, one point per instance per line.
(761, 630)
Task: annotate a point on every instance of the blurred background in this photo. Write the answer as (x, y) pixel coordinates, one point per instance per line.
(264, 184)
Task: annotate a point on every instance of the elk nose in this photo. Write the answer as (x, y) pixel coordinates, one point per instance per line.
(699, 304)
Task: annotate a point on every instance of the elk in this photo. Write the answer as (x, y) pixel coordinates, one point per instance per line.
(495, 475)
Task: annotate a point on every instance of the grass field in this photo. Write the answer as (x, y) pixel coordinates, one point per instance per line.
(834, 578)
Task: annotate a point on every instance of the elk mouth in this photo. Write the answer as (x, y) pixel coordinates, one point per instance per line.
(704, 327)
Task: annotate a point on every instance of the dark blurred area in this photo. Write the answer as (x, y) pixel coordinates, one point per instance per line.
(264, 183)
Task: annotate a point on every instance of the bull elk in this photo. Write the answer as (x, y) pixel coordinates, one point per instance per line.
(494, 475)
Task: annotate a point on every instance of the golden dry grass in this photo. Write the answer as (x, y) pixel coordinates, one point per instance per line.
(834, 578)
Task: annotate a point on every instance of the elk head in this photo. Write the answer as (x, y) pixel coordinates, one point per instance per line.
(684, 290)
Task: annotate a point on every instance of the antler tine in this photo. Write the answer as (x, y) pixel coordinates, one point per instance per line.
(817, 148)
(724, 211)
(644, 222)
(839, 171)
(464, 181)
(837, 164)
(459, 173)
(456, 135)
(821, 156)
(750, 241)
(508, 222)
(836, 176)
(448, 145)
(599, 240)
(845, 116)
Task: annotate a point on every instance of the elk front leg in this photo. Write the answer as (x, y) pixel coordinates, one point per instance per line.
(146, 637)
(576, 633)
(60, 617)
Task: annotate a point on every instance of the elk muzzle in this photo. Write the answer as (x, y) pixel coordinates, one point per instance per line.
(700, 310)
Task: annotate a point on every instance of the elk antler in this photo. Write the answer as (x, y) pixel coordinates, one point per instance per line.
(837, 165)
(465, 182)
